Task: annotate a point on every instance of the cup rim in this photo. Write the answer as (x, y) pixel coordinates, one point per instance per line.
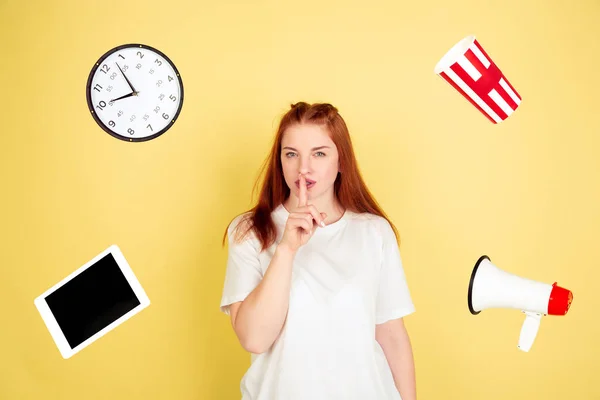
(452, 55)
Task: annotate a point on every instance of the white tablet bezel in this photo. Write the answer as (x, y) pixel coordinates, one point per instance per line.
(57, 334)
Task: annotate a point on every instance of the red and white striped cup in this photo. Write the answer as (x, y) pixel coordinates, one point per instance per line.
(469, 69)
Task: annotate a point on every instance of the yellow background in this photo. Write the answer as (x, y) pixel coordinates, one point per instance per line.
(525, 192)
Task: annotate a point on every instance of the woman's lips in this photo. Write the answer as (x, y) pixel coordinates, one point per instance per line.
(309, 183)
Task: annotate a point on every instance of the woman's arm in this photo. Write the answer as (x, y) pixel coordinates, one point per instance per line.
(257, 321)
(393, 339)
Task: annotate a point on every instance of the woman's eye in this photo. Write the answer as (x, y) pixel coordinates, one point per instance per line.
(318, 153)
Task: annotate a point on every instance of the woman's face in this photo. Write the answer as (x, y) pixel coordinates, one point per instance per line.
(308, 149)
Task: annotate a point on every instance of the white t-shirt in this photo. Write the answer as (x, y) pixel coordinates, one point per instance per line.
(345, 280)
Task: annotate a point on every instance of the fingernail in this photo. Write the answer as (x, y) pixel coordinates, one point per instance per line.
(323, 224)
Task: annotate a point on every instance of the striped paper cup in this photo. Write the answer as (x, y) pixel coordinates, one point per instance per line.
(469, 69)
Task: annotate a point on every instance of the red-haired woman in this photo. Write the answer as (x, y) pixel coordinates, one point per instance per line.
(315, 285)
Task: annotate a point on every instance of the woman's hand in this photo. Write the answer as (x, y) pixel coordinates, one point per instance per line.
(300, 225)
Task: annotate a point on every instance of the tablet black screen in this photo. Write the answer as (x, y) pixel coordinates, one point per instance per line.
(92, 300)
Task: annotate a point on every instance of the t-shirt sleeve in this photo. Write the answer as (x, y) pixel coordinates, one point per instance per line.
(393, 298)
(243, 272)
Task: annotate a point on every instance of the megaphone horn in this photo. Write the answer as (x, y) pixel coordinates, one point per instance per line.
(491, 287)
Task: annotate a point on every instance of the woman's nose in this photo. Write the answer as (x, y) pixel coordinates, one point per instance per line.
(304, 166)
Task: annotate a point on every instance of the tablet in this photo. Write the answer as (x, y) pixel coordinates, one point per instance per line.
(91, 301)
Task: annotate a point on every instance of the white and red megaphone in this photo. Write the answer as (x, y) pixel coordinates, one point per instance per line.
(491, 287)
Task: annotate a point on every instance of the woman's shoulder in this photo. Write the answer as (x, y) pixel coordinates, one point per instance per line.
(239, 219)
(373, 222)
(240, 227)
(367, 218)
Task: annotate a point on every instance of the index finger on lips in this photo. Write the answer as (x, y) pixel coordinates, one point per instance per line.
(302, 196)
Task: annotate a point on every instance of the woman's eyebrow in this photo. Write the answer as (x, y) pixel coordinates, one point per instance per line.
(313, 149)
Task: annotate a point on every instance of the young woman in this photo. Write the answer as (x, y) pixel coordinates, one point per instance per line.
(315, 285)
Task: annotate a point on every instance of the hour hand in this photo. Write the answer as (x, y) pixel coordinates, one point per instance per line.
(124, 76)
(123, 97)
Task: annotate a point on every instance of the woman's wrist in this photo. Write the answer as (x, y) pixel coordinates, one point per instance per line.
(285, 249)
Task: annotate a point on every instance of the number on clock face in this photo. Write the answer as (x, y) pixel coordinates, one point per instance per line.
(135, 92)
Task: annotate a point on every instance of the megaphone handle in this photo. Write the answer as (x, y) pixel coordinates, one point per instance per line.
(529, 330)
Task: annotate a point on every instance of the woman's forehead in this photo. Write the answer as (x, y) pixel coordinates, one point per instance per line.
(306, 135)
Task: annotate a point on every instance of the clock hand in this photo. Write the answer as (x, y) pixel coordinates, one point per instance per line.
(129, 83)
(124, 97)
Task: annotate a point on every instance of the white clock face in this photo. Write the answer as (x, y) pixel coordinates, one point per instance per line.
(135, 92)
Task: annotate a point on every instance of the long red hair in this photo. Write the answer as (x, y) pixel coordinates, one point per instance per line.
(349, 186)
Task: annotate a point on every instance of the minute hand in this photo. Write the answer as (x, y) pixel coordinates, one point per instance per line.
(124, 76)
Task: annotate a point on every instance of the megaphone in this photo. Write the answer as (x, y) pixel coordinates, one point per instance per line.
(491, 287)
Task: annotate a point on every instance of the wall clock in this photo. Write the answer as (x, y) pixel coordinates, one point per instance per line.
(134, 92)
